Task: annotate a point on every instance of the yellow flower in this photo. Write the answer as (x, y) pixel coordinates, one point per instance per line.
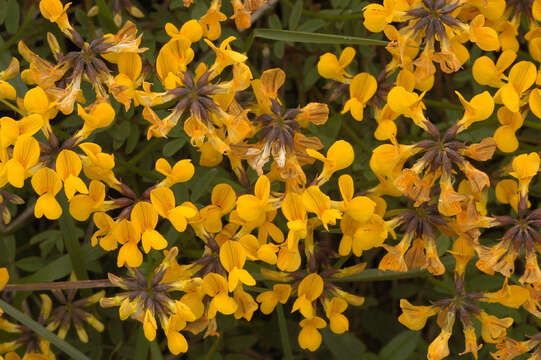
(521, 77)
(163, 201)
(26, 154)
(68, 167)
(225, 56)
(493, 329)
(507, 193)
(269, 299)
(339, 156)
(53, 11)
(525, 167)
(360, 208)
(335, 69)
(7, 91)
(485, 72)
(484, 36)
(295, 213)
(211, 20)
(128, 235)
(309, 336)
(512, 296)
(317, 202)
(173, 58)
(182, 171)
(479, 108)
(149, 326)
(4, 277)
(98, 165)
(144, 218)
(124, 85)
(333, 310)
(47, 184)
(376, 16)
(100, 116)
(215, 286)
(223, 199)
(253, 207)
(246, 305)
(232, 258)
(310, 288)
(439, 347)
(81, 206)
(191, 30)
(505, 137)
(407, 103)
(414, 317)
(11, 129)
(362, 88)
(104, 234)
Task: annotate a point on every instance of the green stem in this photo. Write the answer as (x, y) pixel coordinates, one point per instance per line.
(351, 132)
(12, 107)
(442, 104)
(213, 349)
(67, 226)
(71, 351)
(62, 285)
(532, 124)
(134, 169)
(22, 30)
(282, 324)
(383, 275)
(152, 144)
(330, 17)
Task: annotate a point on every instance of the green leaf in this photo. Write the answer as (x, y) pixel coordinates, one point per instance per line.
(13, 16)
(41, 331)
(282, 324)
(31, 263)
(315, 38)
(3, 10)
(71, 240)
(175, 4)
(401, 346)
(295, 15)
(274, 22)
(141, 346)
(61, 267)
(311, 25)
(201, 182)
(343, 346)
(173, 146)
(155, 351)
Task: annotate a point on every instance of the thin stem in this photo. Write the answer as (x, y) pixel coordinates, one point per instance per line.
(532, 124)
(60, 285)
(442, 104)
(282, 325)
(213, 349)
(12, 107)
(141, 154)
(351, 132)
(19, 221)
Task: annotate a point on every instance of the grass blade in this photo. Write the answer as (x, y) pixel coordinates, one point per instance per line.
(315, 38)
(71, 242)
(41, 331)
(284, 336)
